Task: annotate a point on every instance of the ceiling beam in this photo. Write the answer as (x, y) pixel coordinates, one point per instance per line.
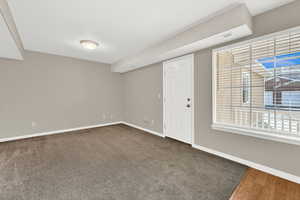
(11, 43)
(229, 24)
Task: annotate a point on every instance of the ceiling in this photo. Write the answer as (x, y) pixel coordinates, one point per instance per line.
(122, 28)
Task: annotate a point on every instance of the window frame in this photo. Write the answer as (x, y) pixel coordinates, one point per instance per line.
(244, 130)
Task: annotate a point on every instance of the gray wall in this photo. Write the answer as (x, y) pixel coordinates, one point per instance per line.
(143, 97)
(56, 93)
(273, 154)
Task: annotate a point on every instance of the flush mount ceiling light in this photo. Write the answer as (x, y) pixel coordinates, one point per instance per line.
(88, 44)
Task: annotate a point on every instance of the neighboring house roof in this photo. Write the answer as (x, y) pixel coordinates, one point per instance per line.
(287, 70)
(282, 84)
(285, 60)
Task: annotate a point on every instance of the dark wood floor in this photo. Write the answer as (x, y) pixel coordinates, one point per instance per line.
(257, 185)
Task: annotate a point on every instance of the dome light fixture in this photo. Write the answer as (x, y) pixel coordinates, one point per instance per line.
(89, 44)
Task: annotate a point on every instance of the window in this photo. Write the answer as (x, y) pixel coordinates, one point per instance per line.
(291, 99)
(256, 87)
(246, 87)
(268, 98)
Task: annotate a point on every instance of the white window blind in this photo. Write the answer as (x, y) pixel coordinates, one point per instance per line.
(257, 86)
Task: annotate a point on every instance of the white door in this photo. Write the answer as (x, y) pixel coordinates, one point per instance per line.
(178, 98)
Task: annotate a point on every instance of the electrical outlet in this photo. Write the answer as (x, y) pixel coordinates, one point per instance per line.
(152, 122)
(33, 124)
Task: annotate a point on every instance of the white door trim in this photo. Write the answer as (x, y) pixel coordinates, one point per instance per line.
(190, 56)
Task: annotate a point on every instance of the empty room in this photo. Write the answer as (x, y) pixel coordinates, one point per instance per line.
(149, 100)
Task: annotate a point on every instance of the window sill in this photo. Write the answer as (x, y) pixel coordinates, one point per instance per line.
(257, 134)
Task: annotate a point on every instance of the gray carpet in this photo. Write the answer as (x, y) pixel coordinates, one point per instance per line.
(112, 163)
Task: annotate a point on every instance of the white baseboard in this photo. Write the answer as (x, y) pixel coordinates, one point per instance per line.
(254, 165)
(266, 169)
(143, 129)
(56, 132)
